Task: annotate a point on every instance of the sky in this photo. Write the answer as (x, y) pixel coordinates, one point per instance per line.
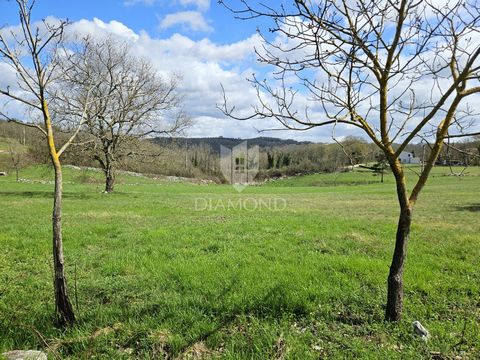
(160, 18)
(199, 40)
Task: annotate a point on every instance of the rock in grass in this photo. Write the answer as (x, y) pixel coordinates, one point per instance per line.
(420, 330)
(25, 355)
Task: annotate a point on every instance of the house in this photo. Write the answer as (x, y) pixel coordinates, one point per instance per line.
(408, 158)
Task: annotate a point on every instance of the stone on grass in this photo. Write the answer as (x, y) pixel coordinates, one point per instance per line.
(420, 330)
(25, 355)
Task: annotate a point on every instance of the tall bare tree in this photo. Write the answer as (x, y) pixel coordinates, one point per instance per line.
(132, 103)
(398, 70)
(33, 52)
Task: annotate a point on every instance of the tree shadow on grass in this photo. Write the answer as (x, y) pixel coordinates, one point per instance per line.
(47, 194)
(27, 194)
(275, 303)
(470, 207)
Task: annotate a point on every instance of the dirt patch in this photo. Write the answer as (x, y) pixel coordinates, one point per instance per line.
(198, 351)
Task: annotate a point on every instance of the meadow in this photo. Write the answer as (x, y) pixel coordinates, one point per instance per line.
(154, 276)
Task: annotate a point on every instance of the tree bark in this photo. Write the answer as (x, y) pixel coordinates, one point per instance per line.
(395, 277)
(109, 179)
(63, 306)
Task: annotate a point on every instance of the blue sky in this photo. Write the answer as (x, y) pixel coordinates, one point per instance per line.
(142, 15)
(197, 39)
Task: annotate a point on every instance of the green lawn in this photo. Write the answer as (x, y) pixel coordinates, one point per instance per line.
(182, 270)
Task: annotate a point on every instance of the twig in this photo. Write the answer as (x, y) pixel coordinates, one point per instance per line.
(52, 350)
(462, 339)
(75, 288)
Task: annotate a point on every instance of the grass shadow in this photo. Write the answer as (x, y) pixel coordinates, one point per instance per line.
(45, 194)
(470, 207)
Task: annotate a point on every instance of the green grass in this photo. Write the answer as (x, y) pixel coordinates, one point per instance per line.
(154, 276)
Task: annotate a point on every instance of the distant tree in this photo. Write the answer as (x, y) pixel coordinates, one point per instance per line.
(270, 160)
(379, 167)
(355, 149)
(278, 164)
(33, 52)
(367, 64)
(287, 159)
(18, 156)
(132, 103)
(195, 159)
(12, 130)
(204, 158)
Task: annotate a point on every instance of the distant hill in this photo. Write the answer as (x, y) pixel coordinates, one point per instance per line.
(216, 142)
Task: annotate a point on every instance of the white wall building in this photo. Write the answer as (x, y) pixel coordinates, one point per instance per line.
(408, 158)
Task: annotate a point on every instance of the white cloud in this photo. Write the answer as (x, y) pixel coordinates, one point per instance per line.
(97, 27)
(8, 77)
(203, 65)
(192, 20)
(204, 50)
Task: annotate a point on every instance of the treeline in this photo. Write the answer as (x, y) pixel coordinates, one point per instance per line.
(216, 142)
(311, 158)
(306, 158)
(193, 158)
(203, 160)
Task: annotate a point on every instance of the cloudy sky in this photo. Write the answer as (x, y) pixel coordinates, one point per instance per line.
(197, 39)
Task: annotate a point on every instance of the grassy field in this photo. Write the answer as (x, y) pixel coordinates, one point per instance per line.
(292, 269)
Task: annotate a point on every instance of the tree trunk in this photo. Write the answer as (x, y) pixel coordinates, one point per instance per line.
(395, 277)
(63, 306)
(109, 179)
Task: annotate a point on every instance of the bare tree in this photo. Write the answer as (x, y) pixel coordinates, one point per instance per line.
(132, 103)
(399, 70)
(18, 156)
(33, 52)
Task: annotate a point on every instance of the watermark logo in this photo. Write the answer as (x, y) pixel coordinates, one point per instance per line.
(244, 204)
(239, 164)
